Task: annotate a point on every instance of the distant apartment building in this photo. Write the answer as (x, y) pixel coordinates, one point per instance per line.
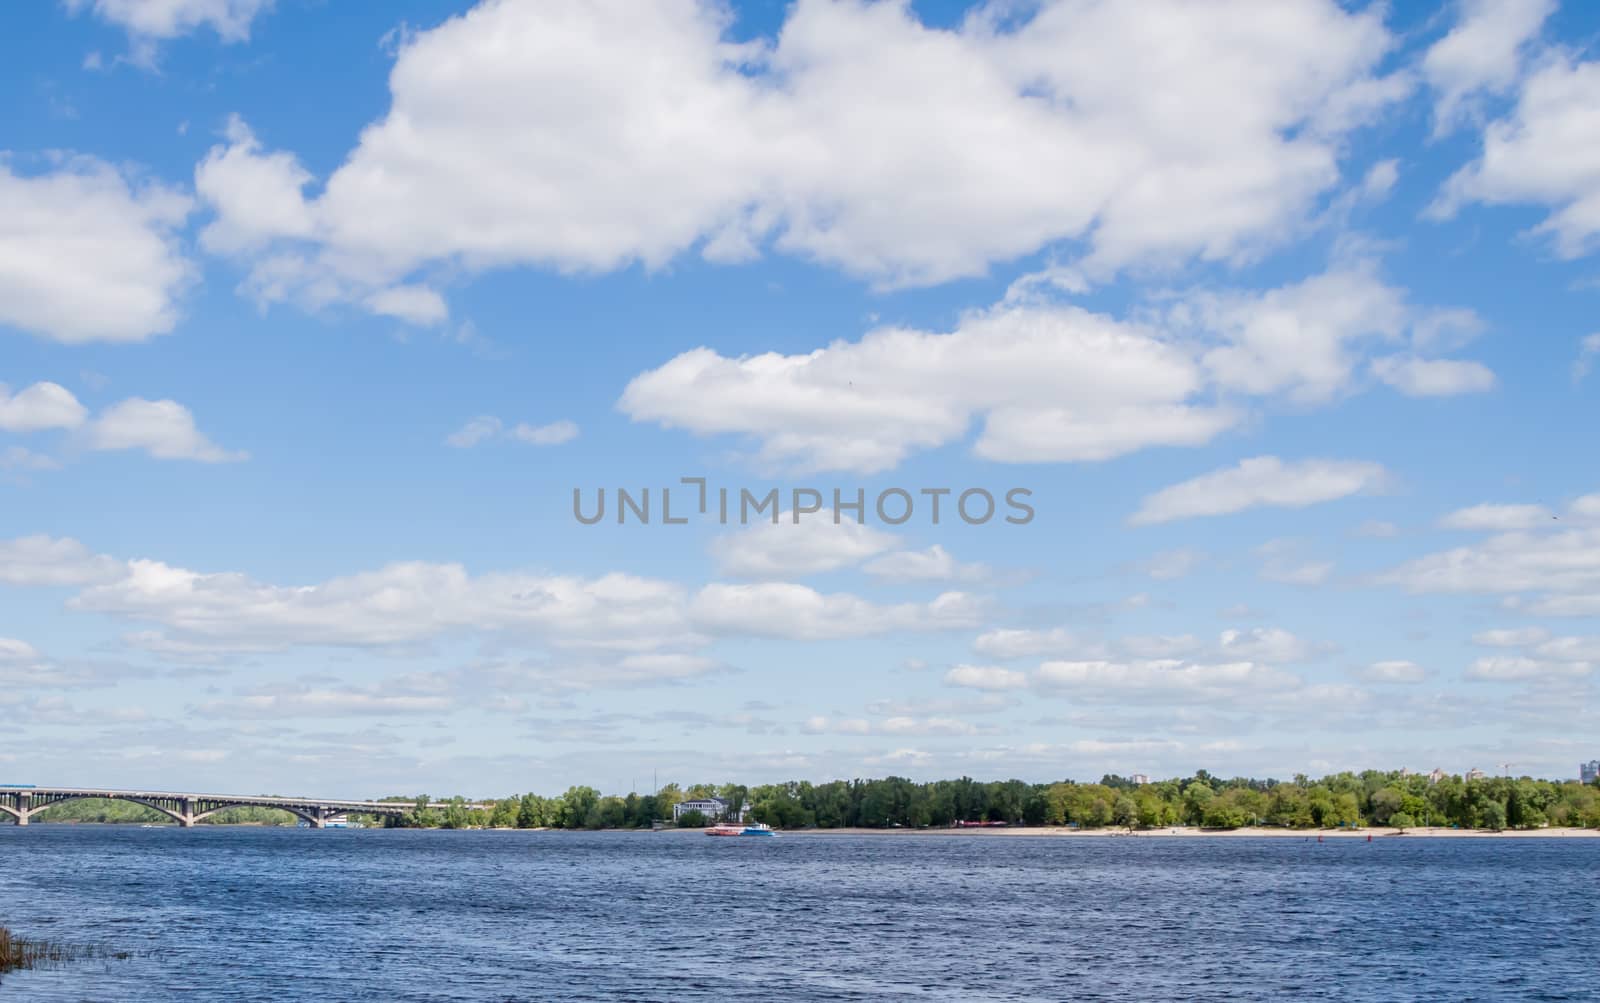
(1436, 776)
(1589, 771)
(1475, 774)
(1139, 778)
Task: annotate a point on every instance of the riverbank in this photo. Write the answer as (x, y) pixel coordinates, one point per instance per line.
(1181, 832)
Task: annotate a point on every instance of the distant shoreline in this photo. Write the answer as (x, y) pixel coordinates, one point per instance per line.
(1180, 832)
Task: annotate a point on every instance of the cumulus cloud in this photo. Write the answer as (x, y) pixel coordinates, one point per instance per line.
(1482, 54)
(1044, 381)
(796, 612)
(953, 148)
(398, 604)
(1393, 671)
(40, 406)
(1510, 637)
(986, 677)
(165, 429)
(1170, 680)
(934, 564)
(88, 255)
(1498, 518)
(1272, 645)
(1052, 383)
(48, 561)
(1558, 567)
(1258, 482)
(1513, 668)
(1014, 643)
(286, 701)
(618, 625)
(1416, 377)
(230, 19)
(790, 547)
(1545, 153)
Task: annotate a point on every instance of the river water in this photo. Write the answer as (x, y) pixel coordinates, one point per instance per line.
(381, 915)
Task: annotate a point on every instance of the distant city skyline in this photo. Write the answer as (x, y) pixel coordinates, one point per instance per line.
(318, 322)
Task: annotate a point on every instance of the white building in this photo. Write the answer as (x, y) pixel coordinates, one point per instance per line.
(1140, 778)
(1475, 774)
(712, 808)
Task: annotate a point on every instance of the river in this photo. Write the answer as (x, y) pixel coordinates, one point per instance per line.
(384, 915)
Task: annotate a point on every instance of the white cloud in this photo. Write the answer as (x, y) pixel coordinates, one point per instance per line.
(1300, 339)
(485, 427)
(1160, 645)
(1047, 381)
(165, 429)
(934, 564)
(230, 19)
(1272, 645)
(1379, 180)
(1416, 377)
(1569, 649)
(791, 548)
(1053, 383)
(398, 604)
(1257, 482)
(1546, 153)
(796, 612)
(475, 431)
(553, 434)
(1509, 668)
(1588, 351)
(1167, 679)
(257, 196)
(87, 256)
(859, 137)
(1497, 518)
(1394, 671)
(1482, 54)
(40, 406)
(1510, 637)
(47, 561)
(986, 677)
(1012, 643)
(899, 725)
(1561, 567)
(280, 702)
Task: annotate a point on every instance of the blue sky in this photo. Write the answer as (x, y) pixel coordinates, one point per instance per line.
(313, 317)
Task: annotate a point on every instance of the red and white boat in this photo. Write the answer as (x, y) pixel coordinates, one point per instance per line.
(740, 829)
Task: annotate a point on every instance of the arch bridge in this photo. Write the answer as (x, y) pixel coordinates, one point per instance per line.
(21, 803)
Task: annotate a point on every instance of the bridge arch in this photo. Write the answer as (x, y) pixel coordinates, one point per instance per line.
(11, 811)
(40, 806)
(299, 813)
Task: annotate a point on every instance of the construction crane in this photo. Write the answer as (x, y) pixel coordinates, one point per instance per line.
(1506, 767)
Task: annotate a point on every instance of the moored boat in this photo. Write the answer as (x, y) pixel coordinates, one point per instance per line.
(738, 829)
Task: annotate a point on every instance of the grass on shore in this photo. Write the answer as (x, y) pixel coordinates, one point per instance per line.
(20, 953)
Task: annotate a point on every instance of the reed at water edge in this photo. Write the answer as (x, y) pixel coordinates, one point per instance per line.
(18, 953)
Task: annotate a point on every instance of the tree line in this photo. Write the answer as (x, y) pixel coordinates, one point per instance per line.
(1371, 798)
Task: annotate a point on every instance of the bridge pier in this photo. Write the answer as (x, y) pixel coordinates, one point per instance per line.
(23, 809)
(186, 814)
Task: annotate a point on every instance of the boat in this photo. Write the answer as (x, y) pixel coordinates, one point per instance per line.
(740, 829)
